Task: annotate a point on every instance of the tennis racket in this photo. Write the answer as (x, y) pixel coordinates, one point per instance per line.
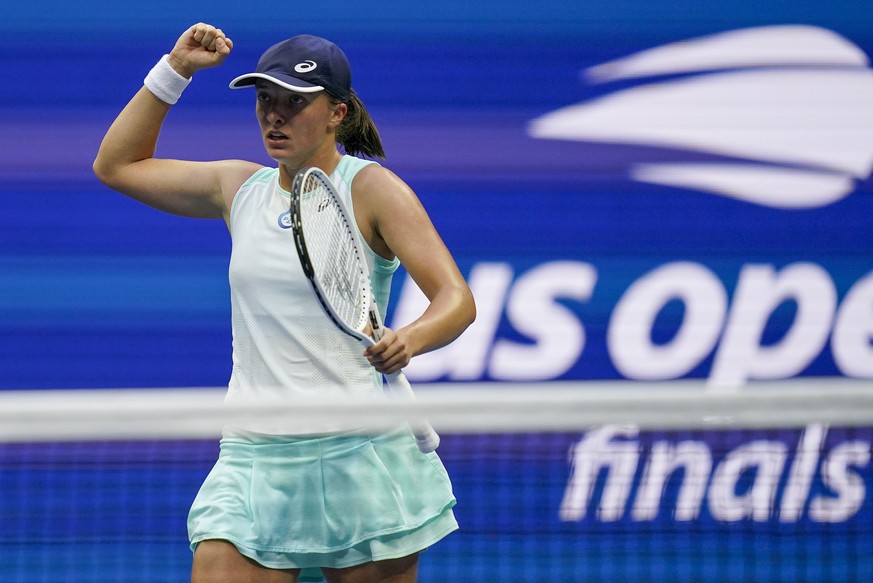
(334, 263)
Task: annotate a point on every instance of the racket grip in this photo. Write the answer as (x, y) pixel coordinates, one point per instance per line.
(425, 436)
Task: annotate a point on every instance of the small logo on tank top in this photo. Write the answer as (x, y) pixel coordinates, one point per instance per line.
(285, 220)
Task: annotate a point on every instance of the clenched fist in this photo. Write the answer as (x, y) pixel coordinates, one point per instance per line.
(200, 47)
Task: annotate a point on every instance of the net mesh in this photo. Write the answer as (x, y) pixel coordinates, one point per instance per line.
(606, 482)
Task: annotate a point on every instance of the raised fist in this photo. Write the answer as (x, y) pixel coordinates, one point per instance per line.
(200, 47)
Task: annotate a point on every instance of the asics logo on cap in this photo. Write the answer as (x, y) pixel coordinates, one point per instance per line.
(305, 66)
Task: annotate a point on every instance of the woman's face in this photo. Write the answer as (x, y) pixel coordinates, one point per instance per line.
(295, 126)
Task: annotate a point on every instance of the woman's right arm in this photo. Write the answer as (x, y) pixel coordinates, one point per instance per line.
(126, 162)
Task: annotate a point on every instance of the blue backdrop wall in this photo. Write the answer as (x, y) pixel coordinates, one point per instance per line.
(634, 189)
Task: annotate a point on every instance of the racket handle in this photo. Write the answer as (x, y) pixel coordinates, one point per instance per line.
(425, 436)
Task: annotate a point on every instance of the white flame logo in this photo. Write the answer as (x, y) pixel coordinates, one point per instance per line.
(790, 104)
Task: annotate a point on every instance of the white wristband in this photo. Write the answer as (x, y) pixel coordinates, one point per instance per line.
(166, 84)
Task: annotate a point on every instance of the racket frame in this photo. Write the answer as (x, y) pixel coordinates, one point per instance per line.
(426, 438)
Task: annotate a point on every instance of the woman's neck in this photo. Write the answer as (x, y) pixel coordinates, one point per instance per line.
(327, 163)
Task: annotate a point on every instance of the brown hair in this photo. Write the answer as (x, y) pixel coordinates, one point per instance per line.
(357, 133)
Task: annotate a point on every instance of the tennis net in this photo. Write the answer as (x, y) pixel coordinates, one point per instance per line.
(558, 482)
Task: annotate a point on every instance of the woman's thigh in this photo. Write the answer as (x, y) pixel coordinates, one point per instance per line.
(402, 570)
(218, 561)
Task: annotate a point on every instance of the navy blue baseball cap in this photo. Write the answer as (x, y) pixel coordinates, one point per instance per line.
(304, 63)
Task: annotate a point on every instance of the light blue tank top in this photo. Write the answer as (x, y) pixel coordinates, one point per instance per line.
(283, 343)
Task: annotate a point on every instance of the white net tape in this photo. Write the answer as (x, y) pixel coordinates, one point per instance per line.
(192, 413)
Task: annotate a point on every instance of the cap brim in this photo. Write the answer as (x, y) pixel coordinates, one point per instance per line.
(286, 81)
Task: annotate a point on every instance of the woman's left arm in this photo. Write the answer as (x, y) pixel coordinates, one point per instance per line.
(394, 223)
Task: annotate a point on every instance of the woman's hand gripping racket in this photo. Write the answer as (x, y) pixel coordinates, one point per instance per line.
(333, 260)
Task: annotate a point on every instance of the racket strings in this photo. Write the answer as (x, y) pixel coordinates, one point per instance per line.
(331, 244)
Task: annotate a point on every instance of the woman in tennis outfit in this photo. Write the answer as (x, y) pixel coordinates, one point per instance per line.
(288, 503)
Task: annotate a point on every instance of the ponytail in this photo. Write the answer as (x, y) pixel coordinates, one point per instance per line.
(357, 133)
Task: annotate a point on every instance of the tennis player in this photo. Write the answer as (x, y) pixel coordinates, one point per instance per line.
(289, 503)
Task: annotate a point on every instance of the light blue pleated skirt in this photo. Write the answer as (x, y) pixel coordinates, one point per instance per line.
(333, 501)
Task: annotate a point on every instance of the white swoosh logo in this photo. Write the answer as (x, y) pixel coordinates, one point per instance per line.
(801, 116)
